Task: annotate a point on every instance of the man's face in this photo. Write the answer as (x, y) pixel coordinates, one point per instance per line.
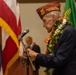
(48, 23)
(28, 41)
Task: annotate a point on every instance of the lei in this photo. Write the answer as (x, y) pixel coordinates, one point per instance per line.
(59, 26)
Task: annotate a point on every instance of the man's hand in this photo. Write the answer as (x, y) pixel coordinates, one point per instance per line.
(32, 54)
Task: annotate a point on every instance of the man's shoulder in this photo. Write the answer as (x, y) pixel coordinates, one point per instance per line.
(36, 45)
(69, 31)
(69, 28)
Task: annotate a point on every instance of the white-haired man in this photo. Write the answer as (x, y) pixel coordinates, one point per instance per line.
(62, 43)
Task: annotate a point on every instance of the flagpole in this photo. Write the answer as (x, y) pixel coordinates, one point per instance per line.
(28, 59)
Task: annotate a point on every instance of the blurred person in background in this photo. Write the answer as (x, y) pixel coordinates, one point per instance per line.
(32, 45)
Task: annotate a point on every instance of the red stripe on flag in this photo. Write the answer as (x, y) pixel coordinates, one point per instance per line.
(8, 16)
(19, 27)
(8, 52)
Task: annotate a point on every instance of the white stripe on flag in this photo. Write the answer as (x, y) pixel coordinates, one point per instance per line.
(1, 71)
(5, 35)
(12, 5)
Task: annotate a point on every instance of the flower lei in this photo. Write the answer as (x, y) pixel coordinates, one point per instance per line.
(60, 24)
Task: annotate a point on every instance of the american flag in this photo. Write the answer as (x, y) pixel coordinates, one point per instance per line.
(11, 28)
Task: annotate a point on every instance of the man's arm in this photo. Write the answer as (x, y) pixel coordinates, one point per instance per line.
(63, 55)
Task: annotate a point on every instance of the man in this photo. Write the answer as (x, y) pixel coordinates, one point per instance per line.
(62, 44)
(32, 45)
